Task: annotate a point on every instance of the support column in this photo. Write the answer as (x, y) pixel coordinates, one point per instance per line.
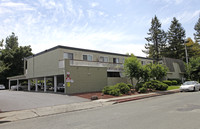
(17, 84)
(55, 83)
(29, 84)
(36, 85)
(9, 84)
(45, 84)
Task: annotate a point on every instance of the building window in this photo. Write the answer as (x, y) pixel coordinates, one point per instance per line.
(143, 62)
(68, 56)
(115, 60)
(103, 59)
(87, 57)
(113, 74)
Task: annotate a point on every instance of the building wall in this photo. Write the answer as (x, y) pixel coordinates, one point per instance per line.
(114, 80)
(45, 64)
(177, 72)
(86, 79)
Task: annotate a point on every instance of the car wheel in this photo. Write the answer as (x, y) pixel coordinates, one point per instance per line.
(194, 89)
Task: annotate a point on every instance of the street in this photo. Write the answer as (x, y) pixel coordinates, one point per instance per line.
(175, 111)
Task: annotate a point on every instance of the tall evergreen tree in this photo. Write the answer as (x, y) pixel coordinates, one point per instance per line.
(197, 33)
(156, 40)
(176, 36)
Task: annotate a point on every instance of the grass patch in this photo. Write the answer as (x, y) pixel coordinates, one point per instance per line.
(173, 87)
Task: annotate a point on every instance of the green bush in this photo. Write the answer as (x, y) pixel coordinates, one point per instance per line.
(139, 85)
(106, 89)
(124, 88)
(178, 80)
(112, 90)
(168, 82)
(115, 91)
(174, 82)
(143, 90)
(155, 85)
(130, 86)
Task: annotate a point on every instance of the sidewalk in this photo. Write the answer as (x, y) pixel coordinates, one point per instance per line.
(39, 112)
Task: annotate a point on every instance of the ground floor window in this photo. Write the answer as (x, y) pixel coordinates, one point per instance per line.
(113, 74)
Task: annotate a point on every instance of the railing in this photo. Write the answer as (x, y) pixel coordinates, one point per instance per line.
(110, 66)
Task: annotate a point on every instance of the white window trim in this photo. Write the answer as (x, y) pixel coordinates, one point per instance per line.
(87, 58)
(103, 57)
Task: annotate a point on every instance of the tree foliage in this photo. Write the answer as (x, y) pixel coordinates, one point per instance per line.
(193, 69)
(12, 56)
(197, 33)
(156, 40)
(132, 68)
(193, 48)
(176, 36)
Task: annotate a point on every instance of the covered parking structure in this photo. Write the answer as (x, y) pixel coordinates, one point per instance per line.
(32, 83)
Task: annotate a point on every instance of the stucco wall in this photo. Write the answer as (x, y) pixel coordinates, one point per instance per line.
(114, 80)
(86, 79)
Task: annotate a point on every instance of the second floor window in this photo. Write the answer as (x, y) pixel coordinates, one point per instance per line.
(68, 56)
(87, 57)
(115, 60)
(103, 59)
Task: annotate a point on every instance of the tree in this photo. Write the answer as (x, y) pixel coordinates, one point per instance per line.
(197, 33)
(156, 41)
(193, 69)
(176, 36)
(132, 68)
(193, 48)
(13, 56)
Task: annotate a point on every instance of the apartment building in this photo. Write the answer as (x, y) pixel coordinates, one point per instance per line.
(80, 70)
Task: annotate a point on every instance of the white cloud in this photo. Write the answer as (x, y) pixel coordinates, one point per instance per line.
(94, 4)
(17, 6)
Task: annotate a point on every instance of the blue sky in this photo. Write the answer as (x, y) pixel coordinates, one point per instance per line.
(107, 25)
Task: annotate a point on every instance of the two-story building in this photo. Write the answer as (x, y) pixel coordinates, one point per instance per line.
(80, 70)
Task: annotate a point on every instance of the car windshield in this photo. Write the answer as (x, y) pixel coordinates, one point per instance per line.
(189, 83)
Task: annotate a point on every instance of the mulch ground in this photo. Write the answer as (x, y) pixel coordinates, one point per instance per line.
(100, 95)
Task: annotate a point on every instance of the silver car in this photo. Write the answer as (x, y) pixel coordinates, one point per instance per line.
(190, 86)
(2, 87)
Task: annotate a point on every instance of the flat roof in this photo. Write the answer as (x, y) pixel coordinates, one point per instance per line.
(81, 49)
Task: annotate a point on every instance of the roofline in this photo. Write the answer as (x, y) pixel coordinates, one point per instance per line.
(81, 49)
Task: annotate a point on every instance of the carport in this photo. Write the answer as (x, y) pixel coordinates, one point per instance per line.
(56, 79)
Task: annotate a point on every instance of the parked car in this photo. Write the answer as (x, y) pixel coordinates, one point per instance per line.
(2, 87)
(190, 86)
(20, 87)
(60, 87)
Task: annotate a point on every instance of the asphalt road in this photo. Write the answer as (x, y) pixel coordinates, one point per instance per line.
(20, 100)
(175, 111)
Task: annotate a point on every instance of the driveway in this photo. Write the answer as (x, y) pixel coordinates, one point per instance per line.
(21, 100)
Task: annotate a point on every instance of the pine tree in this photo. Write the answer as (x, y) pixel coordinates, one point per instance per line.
(176, 36)
(197, 29)
(156, 40)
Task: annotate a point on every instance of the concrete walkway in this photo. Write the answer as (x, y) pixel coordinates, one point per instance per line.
(38, 112)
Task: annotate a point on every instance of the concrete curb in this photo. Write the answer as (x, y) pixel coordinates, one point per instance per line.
(143, 96)
(39, 112)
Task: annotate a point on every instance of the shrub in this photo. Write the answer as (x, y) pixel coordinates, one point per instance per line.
(156, 85)
(124, 88)
(143, 90)
(111, 90)
(161, 86)
(174, 82)
(130, 86)
(168, 82)
(139, 85)
(178, 80)
(106, 89)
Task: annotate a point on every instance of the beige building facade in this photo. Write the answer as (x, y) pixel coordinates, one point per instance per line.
(79, 70)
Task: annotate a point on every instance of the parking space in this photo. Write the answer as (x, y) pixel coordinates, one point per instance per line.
(20, 100)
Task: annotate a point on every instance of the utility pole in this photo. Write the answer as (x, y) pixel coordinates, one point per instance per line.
(186, 54)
